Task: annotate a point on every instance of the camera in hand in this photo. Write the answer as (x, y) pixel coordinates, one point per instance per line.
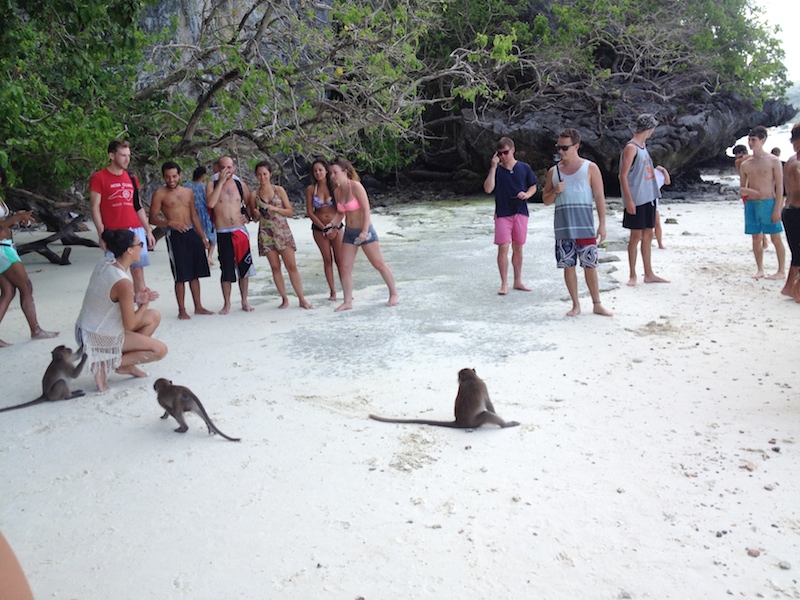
(262, 210)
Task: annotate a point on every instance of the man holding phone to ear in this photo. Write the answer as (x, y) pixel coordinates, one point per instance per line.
(513, 184)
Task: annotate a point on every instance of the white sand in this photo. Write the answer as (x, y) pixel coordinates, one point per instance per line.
(625, 479)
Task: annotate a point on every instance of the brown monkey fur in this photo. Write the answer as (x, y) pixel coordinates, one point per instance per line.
(178, 399)
(54, 386)
(473, 407)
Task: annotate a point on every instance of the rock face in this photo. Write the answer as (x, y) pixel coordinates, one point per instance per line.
(687, 136)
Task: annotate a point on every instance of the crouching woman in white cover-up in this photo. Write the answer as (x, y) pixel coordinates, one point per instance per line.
(115, 326)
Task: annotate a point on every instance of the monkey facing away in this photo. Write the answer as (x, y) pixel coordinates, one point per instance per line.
(178, 399)
(54, 384)
(473, 407)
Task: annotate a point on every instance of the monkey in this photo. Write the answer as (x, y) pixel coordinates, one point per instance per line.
(472, 409)
(178, 399)
(54, 386)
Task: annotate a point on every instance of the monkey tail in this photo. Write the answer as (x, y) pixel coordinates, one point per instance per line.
(452, 424)
(210, 423)
(38, 400)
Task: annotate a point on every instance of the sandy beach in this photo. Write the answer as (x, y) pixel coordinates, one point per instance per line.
(656, 448)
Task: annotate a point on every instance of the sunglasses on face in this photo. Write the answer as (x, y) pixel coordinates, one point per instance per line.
(564, 148)
(140, 245)
(502, 152)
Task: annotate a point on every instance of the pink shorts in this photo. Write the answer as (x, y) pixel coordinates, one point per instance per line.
(512, 229)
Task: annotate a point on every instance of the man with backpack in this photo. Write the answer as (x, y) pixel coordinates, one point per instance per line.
(114, 196)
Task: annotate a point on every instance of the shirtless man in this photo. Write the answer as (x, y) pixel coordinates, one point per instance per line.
(791, 216)
(186, 241)
(227, 199)
(574, 185)
(740, 155)
(761, 180)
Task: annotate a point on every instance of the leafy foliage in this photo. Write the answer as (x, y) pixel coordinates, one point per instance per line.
(67, 67)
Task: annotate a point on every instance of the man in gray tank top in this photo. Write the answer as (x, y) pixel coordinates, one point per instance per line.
(640, 193)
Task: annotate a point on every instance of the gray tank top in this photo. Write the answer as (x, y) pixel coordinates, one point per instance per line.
(642, 178)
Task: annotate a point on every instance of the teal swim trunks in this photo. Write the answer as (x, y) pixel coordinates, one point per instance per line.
(8, 255)
(758, 217)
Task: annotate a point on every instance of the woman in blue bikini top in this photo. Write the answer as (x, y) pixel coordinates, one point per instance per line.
(321, 209)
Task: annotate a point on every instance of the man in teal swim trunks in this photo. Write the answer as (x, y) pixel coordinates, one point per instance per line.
(761, 180)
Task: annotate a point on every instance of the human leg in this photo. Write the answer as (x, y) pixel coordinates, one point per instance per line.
(502, 266)
(326, 250)
(274, 258)
(180, 295)
(593, 284)
(758, 254)
(19, 279)
(137, 274)
(647, 251)
(139, 348)
(516, 264)
(571, 279)
(373, 253)
(780, 252)
(659, 231)
(633, 251)
(294, 276)
(347, 258)
(244, 287)
(7, 293)
(199, 309)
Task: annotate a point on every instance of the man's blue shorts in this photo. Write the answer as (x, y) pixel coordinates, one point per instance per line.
(758, 217)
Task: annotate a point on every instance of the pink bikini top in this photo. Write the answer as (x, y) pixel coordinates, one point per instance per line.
(350, 205)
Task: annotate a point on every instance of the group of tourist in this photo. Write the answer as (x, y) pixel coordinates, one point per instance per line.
(575, 186)
(116, 324)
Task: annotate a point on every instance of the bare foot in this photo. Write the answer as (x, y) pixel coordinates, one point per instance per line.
(576, 310)
(786, 291)
(343, 306)
(131, 370)
(632, 281)
(4, 344)
(503, 290)
(662, 247)
(225, 309)
(779, 275)
(41, 334)
(393, 298)
(305, 304)
(285, 303)
(183, 315)
(100, 379)
(203, 311)
(758, 275)
(599, 310)
(332, 297)
(655, 279)
(522, 287)
(246, 307)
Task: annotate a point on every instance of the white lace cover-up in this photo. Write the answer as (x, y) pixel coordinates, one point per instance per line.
(99, 327)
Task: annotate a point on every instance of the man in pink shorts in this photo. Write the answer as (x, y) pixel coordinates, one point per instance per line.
(513, 184)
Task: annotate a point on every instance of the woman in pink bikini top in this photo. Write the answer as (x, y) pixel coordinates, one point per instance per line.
(352, 205)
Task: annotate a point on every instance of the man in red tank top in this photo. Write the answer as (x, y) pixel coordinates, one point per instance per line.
(113, 193)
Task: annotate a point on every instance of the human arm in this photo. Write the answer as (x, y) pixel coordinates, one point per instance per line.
(777, 171)
(551, 191)
(249, 200)
(628, 156)
(97, 218)
(132, 306)
(363, 200)
(665, 173)
(196, 223)
(599, 195)
(488, 184)
(286, 207)
(151, 240)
